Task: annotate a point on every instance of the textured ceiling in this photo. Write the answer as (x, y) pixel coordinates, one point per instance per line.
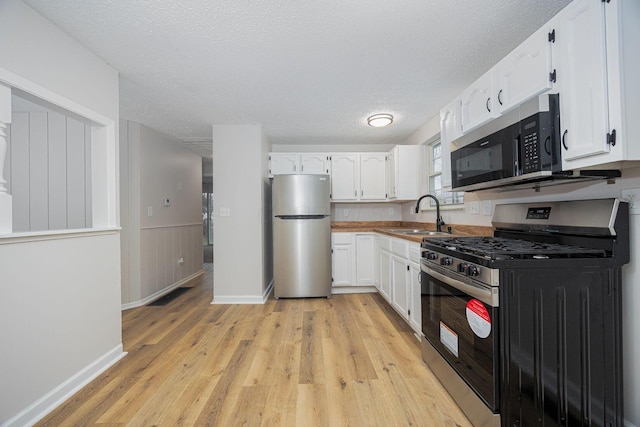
(308, 71)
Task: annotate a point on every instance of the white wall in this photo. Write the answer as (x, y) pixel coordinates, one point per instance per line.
(157, 167)
(240, 186)
(59, 295)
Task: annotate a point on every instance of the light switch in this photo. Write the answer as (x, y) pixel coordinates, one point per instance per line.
(149, 211)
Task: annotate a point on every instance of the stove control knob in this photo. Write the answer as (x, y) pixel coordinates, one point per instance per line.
(446, 261)
(463, 267)
(472, 270)
(431, 255)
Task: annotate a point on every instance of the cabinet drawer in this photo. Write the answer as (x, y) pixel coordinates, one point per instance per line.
(341, 238)
(384, 243)
(399, 247)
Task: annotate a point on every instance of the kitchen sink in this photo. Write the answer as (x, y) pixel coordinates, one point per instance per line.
(416, 232)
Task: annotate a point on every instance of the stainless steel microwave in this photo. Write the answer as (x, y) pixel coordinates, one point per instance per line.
(526, 148)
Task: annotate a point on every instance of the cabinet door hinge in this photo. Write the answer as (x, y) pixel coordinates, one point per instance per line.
(331, 250)
(553, 76)
(269, 157)
(606, 1)
(409, 312)
(611, 138)
(552, 36)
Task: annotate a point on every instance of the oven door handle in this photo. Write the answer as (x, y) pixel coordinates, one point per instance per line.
(486, 295)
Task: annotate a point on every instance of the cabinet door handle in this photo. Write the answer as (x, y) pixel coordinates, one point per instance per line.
(302, 168)
(361, 193)
(355, 193)
(295, 168)
(500, 97)
(488, 108)
(564, 139)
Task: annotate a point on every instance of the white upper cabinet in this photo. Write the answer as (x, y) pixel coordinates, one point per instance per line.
(358, 177)
(298, 163)
(407, 177)
(450, 130)
(581, 63)
(478, 102)
(345, 182)
(373, 176)
(598, 68)
(314, 163)
(525, 72)
(283, 163)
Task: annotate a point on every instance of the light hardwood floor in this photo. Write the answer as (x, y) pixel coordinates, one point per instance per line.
(347, 360)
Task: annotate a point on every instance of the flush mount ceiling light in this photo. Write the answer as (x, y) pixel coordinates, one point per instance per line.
(380, 120)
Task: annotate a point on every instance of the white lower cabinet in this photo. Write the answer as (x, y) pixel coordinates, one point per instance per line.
(400, 294)
(415, 307)
(365, 258)
(384, 287)
(342, 259)
(362, 260)
(352, 259)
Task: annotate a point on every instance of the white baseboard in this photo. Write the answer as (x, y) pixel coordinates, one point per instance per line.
(244, 299)
(50, 401)
(161, 293)
(238, 299)
(353, 290)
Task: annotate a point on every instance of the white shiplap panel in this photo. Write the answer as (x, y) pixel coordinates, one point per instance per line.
(38, 172)
(75, 174)
(7, 161)
(87, 176)
(146, 246)
(20, 171)
(57, 129)
(169, 261)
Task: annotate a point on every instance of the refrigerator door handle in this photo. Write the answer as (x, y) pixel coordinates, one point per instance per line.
(301, 216)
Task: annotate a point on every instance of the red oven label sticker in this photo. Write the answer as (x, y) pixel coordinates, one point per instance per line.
(478, 318)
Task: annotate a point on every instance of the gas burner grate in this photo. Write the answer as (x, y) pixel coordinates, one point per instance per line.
(498, 248)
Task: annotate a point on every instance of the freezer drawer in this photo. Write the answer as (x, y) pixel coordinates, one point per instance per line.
(302, 257)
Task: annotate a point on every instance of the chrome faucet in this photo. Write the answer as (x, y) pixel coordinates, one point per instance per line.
(439, 221)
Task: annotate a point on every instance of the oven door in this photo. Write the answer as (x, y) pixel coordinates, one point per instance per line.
(460, 320)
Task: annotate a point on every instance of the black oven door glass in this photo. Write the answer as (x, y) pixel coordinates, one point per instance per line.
(468, 341)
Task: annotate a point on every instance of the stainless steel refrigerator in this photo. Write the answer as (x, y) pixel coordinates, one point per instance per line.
(301, 236)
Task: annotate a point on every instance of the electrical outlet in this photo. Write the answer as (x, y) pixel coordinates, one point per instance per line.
(474, 207)
(180, 261)
(632, 195)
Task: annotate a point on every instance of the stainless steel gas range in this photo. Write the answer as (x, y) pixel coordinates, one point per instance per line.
(524, 327)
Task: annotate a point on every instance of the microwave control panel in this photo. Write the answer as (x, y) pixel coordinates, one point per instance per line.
(530, 150)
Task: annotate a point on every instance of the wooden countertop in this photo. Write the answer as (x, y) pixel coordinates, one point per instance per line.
(384, 226)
